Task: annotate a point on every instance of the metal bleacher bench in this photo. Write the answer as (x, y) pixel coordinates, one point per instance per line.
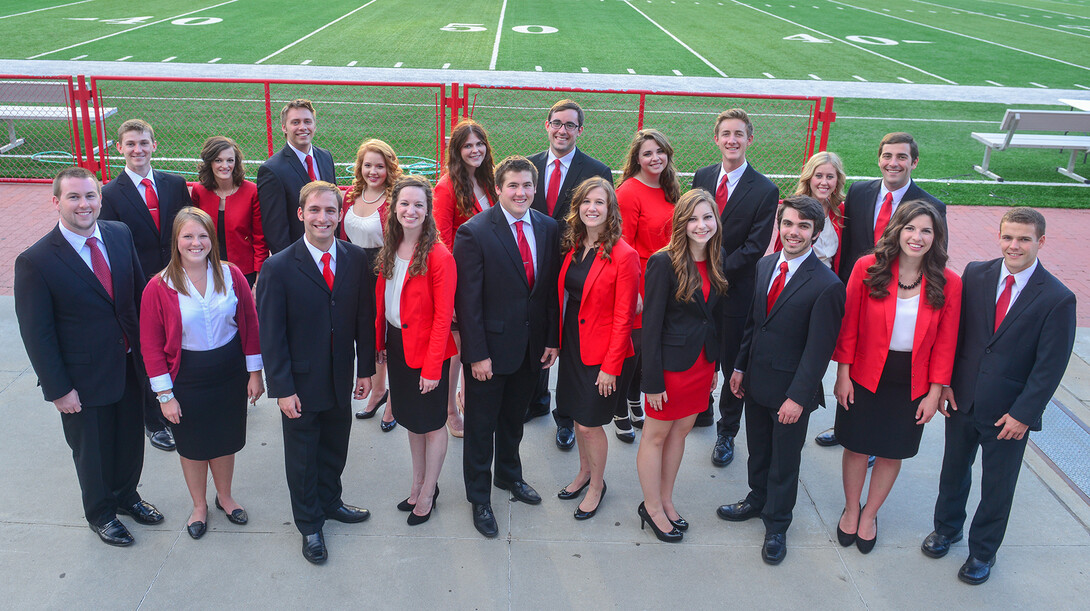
(27, 101)
(1073, 125)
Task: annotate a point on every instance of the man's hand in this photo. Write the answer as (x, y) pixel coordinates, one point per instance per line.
(482, 370)
(69, 404)
(291, 406)
(363, 388)
(789, 412)
(549, 357)
(1012, 429)
(947, 397)
(736, 384)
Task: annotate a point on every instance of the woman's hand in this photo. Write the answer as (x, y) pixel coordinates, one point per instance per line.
(655, 400)
(426, 385)
(929, 405)
(380, 358)
(843, 390)
(255, 387)
(172, 411)
(606, 383)
(639, 304)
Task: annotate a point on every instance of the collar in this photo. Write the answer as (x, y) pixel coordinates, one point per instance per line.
(137, 179)
(564, 161)
(511, 219)
(303, 156)
(76, 240)
(792, 264)
(897, 195)
(1020, 279)
(317, 253)
(733, 176)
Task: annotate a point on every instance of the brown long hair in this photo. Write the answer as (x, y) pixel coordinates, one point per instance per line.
(394, 232)
(668, 181)
(174, 271)
(880, 274)
(837, 196)
(212, 149)
(459, 172)
(389, 157)
(576, 231)
(688, 278)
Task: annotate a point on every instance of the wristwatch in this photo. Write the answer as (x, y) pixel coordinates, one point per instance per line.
(165, 397)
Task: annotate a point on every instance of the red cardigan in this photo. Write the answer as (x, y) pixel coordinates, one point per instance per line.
(427, 308)
(607, 309)
(447, 216)
(868, 327)
(161, 324)
(242, 216)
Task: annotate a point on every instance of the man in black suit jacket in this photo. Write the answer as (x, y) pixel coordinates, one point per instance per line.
(76, 293)
(747, 205)
(508, 259)
(147, 201)
(1005, 373)
(790, 335)
(315, 306)
(281, 177)
(561, 168)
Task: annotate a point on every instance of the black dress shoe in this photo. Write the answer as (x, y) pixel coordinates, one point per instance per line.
(624, 429)
(673, 536)
(521, 491)
(827, 438)
(196, 529)
(162, 439)
(937, 546)
(866, 545)
(388, 426)
(143, 512)
(636, 410)
(975, 572)
(723, 452)
(565, 438)
(484, 520)
(775, 548)
(407, 506)
(348, 514)
(586, 515)
(113, 533)
(237, 516)
(738, 512)
(535, 411)
(679, 523)
(363, 414)
(706, 418)
(564, 495)
(314, 548)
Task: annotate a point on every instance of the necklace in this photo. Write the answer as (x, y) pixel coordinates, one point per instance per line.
(909, 287)
(363, 196)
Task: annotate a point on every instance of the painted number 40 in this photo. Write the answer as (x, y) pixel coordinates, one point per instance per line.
(479, 27)
(865, 40)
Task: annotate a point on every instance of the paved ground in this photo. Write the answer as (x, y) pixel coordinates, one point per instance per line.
(543, 557)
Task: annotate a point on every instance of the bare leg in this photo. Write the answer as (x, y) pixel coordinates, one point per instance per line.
(596, 447)
(223, 471)
(378, 386)
(649, 460)
(196, 479)
(672, 453)
(435, 444)
(454, 417)
(583, 476)
(418, 450)
(854, 472)
(881, 482)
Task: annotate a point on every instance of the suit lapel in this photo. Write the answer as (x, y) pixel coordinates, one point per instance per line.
(1031, 291)
(575, 170)
(343, 266)
(991, 277)
(507, 239)
(132, 196)
(801, 276)
(539, 243)
(71, 258)
(739, 192)
(309, 268)
(765, 267)
(293, 161)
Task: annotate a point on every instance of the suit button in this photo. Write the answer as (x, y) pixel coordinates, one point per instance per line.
(404, 325)
(332, 302)
(582, 321)
(987, 351)
(121, 341)
(703, 322)
(764, 328)
(527, 323)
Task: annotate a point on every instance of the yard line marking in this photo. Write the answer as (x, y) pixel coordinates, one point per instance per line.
(901, 78)
(398, 65)
(916, 42)
(537, 68)
(993, 83)
(676, 39)
(304, 62)
(352, 63)
(78, 57)
(850, 44)
(631, 71)
(285, 48)
(815, 77)
(1043, 10)
(80, 44)
(1080, 86)
(859, 78)
(446, 65)
(214, 60)
(584, 69)
(48, 8)
(678, 73)
(1038, 85)
(169, 59)
(499, 33)
(985, 41)
(769, 75)
(121, 59)
(1003, 17)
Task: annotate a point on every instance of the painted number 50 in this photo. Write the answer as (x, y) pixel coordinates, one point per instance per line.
(464, 27)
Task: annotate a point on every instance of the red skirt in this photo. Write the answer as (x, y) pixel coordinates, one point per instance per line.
(687, 391)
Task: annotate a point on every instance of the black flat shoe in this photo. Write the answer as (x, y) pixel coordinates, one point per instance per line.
(407, 506)
(586, 515)
(348, 514)
(937, 546)
(196, 529)
(679, 523)
(975, 572)
(843, 538)
(365, 415)
(674, 536)
(564, 495)
(484, 520)
(314, 548)
(143, 512)
(388, 426)
(866, 545)
(624, 430)
(113, 533)
(521, 491)
(237, 516)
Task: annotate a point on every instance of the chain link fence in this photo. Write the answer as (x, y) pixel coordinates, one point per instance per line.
(41, 122)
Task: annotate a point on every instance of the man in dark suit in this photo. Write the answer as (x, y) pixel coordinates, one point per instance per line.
(790, 335)
(508, 259)
(315, 306)
(281, 177)
(747, 205)
(1015, 339)
(869, 206)
(561, 168)
(76, 293)
(147, 201)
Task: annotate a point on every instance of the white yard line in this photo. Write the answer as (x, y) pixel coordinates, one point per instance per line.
(677, 40)
(983, 40)
(344, 16)
(850, 44)
(79, 44)
(1033, 25)
(1030, 8)
(499, 33)
(994, 83)
(48, 8)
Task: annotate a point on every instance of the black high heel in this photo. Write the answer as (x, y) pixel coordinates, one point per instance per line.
(679, 523)
(866, 545)
(586, 515)
(845, 539)
(407, 506)
(564, 495)
(674, 536)
(364, 414)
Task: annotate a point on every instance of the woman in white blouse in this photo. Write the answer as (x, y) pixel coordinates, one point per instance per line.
(823, 179)
(199, 341)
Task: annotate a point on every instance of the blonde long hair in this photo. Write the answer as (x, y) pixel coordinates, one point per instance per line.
(174, 272)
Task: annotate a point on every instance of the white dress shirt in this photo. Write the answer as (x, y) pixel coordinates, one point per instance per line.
(898, 195)
(316, 254)
(527, 230)
(904, 324)
(137, 179)
(1020, 280)
(79, 244)
(303, 159)
(792, 265)
(392, 295)
(732, 177)
(565, 165)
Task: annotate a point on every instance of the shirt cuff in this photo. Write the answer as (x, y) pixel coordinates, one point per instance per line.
(161, 383)
(254, 363)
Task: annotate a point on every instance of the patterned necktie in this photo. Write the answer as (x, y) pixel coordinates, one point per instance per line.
(554, 187)
(310, 168)
(527, 257)
(722, 194)
(153, 201)
(100, 267)
(327, 272)
(1004, 302)
(883, 216)
(777, 287)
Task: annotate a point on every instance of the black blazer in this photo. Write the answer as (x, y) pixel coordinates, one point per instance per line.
(785, 353)
(498, 315)
(307, 331)
(122, 202)
(747, 223)
(73, 332)
(673, 331)
(857, 238)
(583, 166)
(1016, 369)
(279, 181)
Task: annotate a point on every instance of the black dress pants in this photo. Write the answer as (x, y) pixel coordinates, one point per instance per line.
(775, 453)
(315, 451)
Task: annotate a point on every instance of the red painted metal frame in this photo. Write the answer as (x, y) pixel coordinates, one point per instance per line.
(72, 97)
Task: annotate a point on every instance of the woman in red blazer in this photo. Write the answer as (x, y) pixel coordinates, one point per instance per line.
(199, 341)
(598, 285)
(414, 296)
(231, 200)
(895, 353)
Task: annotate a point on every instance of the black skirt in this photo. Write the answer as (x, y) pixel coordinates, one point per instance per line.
(211, 391)
(883, 423)
(419, 413)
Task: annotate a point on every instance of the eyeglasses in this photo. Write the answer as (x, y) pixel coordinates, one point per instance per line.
(569, 126)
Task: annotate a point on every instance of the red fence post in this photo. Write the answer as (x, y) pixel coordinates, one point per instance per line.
(83, 93)
(77, 152)
(268, 118)
(639, 120)
(827, 118)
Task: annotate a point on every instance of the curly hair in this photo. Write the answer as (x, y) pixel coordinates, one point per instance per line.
(837, 196)
(394, 232)
(888, 250)
(459, 171)
(668, 180)
(688, 278)
(389, 157)
(575, 230)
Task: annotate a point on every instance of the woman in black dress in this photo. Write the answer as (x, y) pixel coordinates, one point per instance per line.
(414, 295)
(598, 284)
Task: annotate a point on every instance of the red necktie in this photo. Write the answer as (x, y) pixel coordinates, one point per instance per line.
(152, 200)
(310, 168)
(554, 187)
(327, 272)
(883, 216)
(100, 267)
(777, 287)
(1004, 302)
(722, 195)
(527, 257)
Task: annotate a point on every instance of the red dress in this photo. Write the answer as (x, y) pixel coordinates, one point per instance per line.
(687, 391)
(646, 220)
